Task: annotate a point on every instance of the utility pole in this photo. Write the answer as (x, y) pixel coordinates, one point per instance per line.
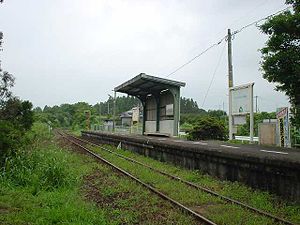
(230, 83)
(99, 114)
(114, 116)
(251, 115)
(108, 107)
(256, 103)
(224, 112)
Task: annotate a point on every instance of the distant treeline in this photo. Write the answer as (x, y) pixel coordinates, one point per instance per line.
(73, 115)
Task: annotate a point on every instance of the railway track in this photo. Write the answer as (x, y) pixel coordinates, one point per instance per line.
(229, 200)
(199, 217)
(75, 141)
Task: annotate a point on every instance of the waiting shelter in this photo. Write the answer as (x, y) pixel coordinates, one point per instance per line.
(160, 98)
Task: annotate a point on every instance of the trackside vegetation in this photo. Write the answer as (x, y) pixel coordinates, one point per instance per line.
(46, 183)
(209, 206)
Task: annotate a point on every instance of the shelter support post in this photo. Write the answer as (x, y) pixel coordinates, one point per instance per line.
(176, 109)
(251, 115)
(157, 99)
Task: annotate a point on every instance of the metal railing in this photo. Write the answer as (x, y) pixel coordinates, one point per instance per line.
(246, 138)
(118, 129)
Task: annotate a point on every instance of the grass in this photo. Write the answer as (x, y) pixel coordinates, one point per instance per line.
(47, 184)
(214, 208)
(240, 142)
(128, 203)
(41, 186)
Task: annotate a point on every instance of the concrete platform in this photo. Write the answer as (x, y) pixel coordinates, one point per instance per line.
(268, 168)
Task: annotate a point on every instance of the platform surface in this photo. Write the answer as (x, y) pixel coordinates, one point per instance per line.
(290, 155)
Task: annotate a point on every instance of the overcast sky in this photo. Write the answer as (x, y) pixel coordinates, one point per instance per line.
(65, 51)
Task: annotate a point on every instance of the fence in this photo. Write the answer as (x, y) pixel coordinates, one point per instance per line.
(246, 138)
(118, 129)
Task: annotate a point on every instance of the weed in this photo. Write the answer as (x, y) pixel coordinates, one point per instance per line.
(46, 184)
(238, 191)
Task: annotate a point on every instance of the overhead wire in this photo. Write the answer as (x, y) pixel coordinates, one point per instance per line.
(197, 56)
(214, 74)
(245, 15)
(262, 19)
(225, 38)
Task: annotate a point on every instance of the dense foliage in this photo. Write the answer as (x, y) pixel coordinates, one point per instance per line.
(72, 115)
(40, 169)
(123, 104)
(16, 116)
(208, 128)
(41, 184)
(281, 55)
(188, 105)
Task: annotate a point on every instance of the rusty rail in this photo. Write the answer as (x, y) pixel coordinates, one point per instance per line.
(230, 200)
(160, 194)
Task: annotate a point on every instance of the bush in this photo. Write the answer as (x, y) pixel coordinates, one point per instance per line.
(42, 169)
(9, 139)
(186, 127)
(207, 128)
(39, 131)
(34, 164)
(16, 117)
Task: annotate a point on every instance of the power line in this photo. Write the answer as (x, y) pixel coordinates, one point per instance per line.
(214, 74)
(225, 38)
(197, 56)
(246, 14)
(257, 21)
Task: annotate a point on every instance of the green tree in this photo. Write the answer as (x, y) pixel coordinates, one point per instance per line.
(281, 55)
(188, 105)
(208, 128)
(6, 82)
(217, 113)
(16, 116)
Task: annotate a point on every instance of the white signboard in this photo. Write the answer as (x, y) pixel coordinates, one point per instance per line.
(239, 119)
(241, 99)
(135, 114)
(169, 110)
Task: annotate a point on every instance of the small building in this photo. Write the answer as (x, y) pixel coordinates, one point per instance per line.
(126, 117)
(160, 99)
(108, 124)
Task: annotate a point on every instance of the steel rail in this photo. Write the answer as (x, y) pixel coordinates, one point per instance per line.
(230, 200)
(160, 194)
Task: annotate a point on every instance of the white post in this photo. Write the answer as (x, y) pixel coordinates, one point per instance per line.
(114, 112)
(230, 116)
(251, 114)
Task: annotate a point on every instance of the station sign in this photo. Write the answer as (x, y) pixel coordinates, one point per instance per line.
(87, 114)
(240, 105)
(135, 114)
(241, 99)
(239, 119)
(283, 127)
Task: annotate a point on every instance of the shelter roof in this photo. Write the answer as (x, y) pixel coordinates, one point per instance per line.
(143, 84)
